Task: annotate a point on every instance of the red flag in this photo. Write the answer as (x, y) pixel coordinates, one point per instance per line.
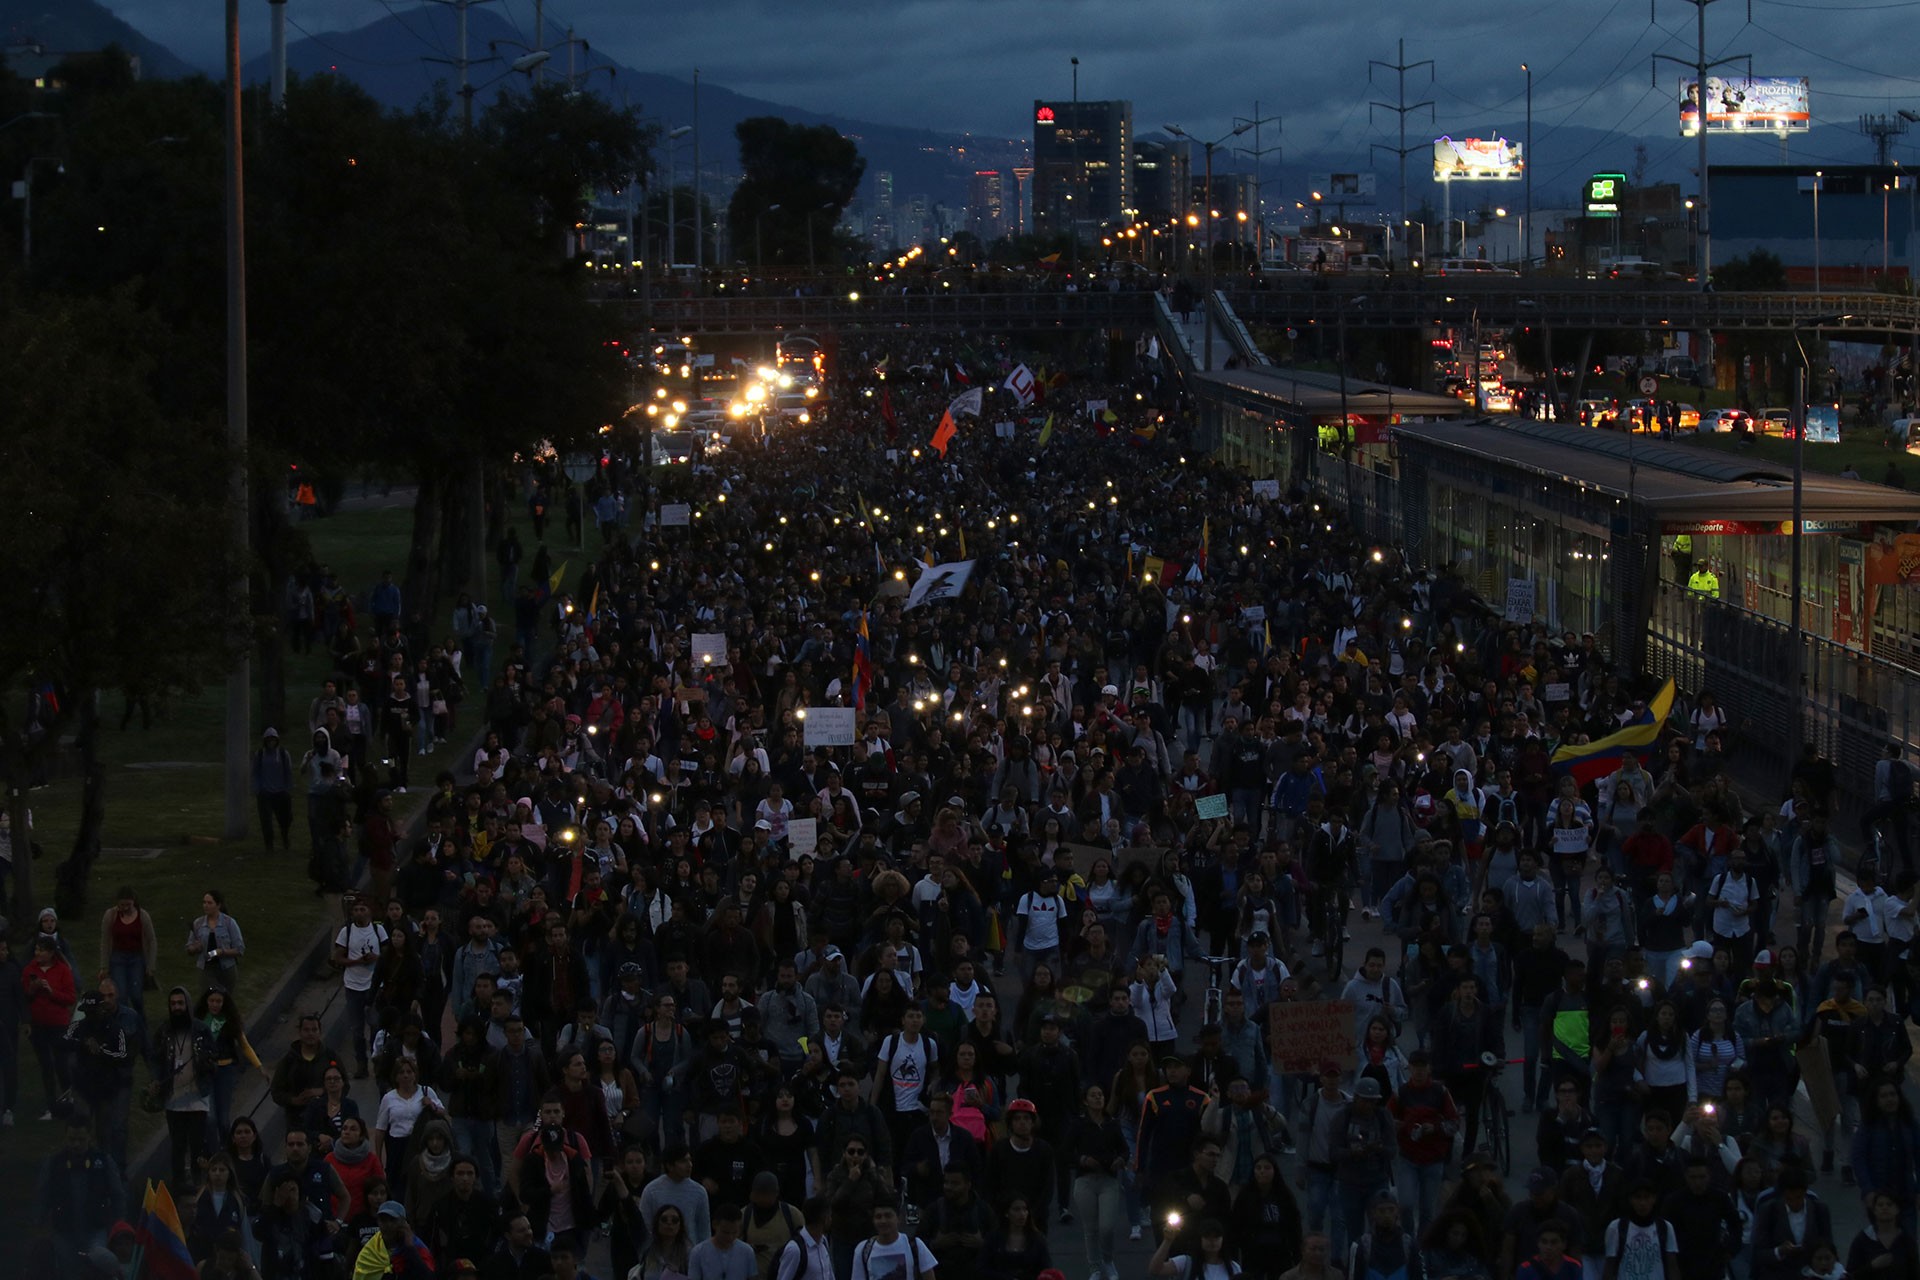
(944, 433)
(888, 416)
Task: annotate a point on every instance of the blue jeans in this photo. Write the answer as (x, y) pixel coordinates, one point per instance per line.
(1420, 1192)
(1352, 1221)
(1620, 1122)
(359, 1004)
(1533, 1080)
(220, 1113)
(129, 971)
(1323, 1207)
(1195, 723)
(476, 1138)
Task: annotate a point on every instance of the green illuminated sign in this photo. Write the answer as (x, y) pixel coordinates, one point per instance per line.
(1603, 192)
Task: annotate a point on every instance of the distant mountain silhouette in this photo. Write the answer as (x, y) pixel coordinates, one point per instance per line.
(387, 58)
(82, 25)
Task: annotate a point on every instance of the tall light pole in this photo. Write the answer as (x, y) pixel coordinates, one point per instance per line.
(1819, 180)
(239, 717)
(1206, 304)
(699, 218)
(1526, 162)
(672, 173)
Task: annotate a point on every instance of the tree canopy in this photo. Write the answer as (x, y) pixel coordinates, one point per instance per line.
(794, 178)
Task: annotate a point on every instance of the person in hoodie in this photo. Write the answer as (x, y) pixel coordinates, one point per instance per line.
(100, 1057)
(1373, 994)
(182, 1067)
(429, 1171)
(1425, 1121)
(323, 769)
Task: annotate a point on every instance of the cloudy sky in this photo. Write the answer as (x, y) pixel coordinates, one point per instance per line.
(977, 64)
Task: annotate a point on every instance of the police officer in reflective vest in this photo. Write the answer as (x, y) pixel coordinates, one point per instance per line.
(1682, 555)
(1705, 581)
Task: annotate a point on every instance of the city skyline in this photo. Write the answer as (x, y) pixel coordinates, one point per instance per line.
(978, 67)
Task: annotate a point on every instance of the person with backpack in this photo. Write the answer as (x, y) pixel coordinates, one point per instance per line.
(1385, 1252)
(903, 1073)
(1425, 1121)
(808, 1256)
(1038, 920)
(889, 1255)
(356, 950)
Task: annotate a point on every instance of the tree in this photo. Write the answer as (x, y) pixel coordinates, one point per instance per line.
(555, 148)
(112, 513)
(796, 181)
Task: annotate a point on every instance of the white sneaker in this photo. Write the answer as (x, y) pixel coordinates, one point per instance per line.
(400, 791)
(1367, 913)
(6, 1119)
(46, 1115)
(1133, 1232)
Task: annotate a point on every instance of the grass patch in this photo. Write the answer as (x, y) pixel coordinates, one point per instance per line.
(1864, 449)
(165, 814)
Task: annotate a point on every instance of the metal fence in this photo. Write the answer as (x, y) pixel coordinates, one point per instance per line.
(1851, 704)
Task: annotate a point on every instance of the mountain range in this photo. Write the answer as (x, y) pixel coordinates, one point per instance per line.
(405, 55)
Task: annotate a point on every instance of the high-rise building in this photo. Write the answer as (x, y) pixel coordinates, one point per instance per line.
(1082, 165)
(881, 227)
(987, 205)
(1022, 218)
(1162, 180)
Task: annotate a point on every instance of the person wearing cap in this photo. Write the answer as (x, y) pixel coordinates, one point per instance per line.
(1520, 1233)
(394, 1250)
(1425, 1122)
(831, 984)
(1594, 1188)
(769, 1224)
(271, 778)
(1023, 1166)
(1765, 1023)
(1362, 1150)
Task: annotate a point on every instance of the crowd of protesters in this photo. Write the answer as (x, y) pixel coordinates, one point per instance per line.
(666, 977)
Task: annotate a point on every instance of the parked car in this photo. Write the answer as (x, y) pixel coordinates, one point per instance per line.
(1726, 420)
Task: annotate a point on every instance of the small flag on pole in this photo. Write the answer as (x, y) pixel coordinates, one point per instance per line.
(967, 403)
(1046, 432)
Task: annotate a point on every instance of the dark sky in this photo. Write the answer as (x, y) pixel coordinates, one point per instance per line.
(977, 64)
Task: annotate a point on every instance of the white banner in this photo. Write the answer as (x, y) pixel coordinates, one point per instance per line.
(828, 727)
(1266, 489)
(939, 582)
(1095, 408)
(803, 837)
(1004, 430)
(710, 648)
(675, 514)
(967, 402)
(1020, 382)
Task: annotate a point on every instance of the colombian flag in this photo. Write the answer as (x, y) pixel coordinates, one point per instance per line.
(161, 1239)
(1592, 761)
(862, 664)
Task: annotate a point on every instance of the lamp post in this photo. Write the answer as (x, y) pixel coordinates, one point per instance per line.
(759, 255)
(1818, 182)
(1526, 163)
(1797, 675)
(672, 219)
(1206, 303)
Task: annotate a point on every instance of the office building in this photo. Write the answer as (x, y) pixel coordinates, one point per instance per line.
(1082, 165)
(987, 205)
(1162, 180)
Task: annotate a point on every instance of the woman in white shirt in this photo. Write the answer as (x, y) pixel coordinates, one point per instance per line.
(400, 1113)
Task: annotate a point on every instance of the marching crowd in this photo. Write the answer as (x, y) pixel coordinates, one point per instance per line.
(672, 982)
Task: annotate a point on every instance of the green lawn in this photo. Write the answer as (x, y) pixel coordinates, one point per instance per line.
(1863, 449)
(165, 813)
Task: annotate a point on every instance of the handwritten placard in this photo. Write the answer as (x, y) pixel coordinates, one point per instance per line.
(829, 727)
(710, 648)
(675, 515)
(1214, 806)
(1301, 1036)
(803, 837)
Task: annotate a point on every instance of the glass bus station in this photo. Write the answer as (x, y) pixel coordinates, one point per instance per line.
(1678, 559)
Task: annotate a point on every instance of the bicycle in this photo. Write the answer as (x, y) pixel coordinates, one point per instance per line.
(1333, 925)
(1213, 1006)
(1496, 1117)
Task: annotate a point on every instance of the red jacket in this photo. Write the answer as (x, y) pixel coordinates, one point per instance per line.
(52, 1007)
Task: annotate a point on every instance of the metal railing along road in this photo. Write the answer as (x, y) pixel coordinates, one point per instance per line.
(846, 312)
(1851, 706)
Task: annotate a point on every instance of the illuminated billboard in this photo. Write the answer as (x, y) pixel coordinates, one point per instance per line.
(1477, 160)
(1601, 195)
(1741, 104)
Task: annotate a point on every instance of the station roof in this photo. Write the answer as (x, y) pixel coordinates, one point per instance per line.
(1674, 482)
(1314, 392)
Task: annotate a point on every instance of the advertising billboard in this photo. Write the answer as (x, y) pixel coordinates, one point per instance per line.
(1743, 104)
(1477, 160)
(1343, 188)
(1601, 196)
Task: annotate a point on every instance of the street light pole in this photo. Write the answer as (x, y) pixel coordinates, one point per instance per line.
(239, 717)
(1526, 162)
(1818, 182)
(1206, 303)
